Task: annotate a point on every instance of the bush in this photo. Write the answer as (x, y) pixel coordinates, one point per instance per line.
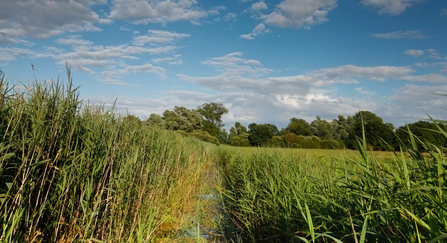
(205, 136)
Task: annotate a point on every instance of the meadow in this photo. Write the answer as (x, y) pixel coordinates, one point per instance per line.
(74, 172)
(295, 195)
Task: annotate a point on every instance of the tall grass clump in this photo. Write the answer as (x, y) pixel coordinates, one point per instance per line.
(266, 194)
(75, 172)
(369, 197)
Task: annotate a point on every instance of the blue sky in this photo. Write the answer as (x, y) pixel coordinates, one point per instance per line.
(266, 61)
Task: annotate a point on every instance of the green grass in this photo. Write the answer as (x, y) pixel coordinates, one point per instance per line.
(75, 172)
(288, 195)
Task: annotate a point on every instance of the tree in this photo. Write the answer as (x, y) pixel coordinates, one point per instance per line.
(212, 113)
(425, 131)
(375, 130)
(239, 135)
(223, 136)
(299, 127)
(238, 129)
(260, 134)
(155, 120)
(132, 119)
(323, 129)
(182, 119)
(291, 140)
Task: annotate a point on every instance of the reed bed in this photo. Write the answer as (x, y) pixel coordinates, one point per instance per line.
(277, 195)
(71, 172)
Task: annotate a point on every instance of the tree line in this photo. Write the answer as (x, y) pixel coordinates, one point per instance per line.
(205, 122)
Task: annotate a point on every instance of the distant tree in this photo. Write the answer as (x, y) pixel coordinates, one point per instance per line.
(425, 131)
(260, 134)
(155, 120)
(182, 118)
(343, 129)
(132, 119)
(239, 135)
(240, 140)
(223, 136)
(212, 113)
(238, 129)
(323, 129)
(276, 141)
(299, 127)
(205, 136)
(376, 131)
(273, 128)
(291, 140)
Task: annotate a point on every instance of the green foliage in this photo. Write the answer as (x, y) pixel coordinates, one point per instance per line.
(273, 196)
(182, 118)
(241, 140)
(204, 136)
(323, 129)
(424, 130)
(74, 173)
(260, 134)
(212, 112)
(276, 141)
(211, 129)
(291, 140)
(375, 129)
(223, 136)
(155, 120)
(299, 127)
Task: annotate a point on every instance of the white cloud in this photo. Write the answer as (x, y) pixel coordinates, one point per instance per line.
(229, 16)
(74, 40)
(10, 54)
(148, 68)
(377, 73)
(415, 53)
(443, 12)
(156, 11)
(410, 34)
(433, 54)
(175, 60)
(443, 66)
(259, 6)
(158, 37)
(365, 92)
(392, 7)
(44, 19)
(416, 101)
(300, 13)
(259, 29)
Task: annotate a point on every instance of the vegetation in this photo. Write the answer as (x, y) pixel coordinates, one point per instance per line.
(79, 173)
(76, 173)
(277, 195)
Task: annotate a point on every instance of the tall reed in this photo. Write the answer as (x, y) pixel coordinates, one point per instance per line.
(281, 197)
(75, 172)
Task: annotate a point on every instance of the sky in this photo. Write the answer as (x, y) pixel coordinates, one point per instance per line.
(265, 61)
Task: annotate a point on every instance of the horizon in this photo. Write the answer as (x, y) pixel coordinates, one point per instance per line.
(265, 61)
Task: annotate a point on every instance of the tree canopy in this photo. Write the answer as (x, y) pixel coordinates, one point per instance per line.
(182, 118)
(212, 113)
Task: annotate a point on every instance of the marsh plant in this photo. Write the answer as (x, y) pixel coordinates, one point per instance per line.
(75, 172)
(275, 196)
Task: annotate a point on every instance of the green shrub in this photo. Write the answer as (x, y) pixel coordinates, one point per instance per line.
(205, 136)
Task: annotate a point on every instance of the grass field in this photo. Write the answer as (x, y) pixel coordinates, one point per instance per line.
(70, 172)
(282, 195)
